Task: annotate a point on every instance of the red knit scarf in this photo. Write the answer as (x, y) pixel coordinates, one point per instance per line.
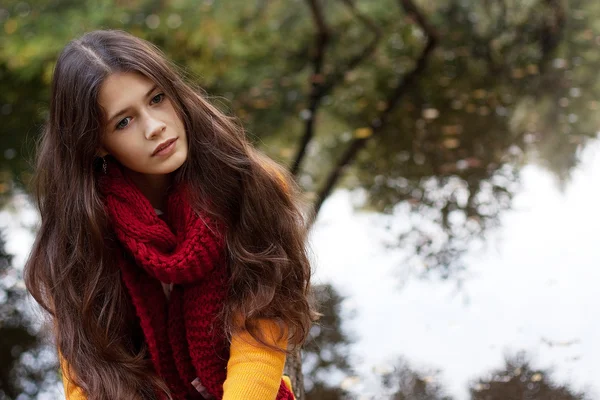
(185, 338)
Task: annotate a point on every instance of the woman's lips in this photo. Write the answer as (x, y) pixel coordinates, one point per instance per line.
(165, 147)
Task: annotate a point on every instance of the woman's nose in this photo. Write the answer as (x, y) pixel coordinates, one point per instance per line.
(154, 127)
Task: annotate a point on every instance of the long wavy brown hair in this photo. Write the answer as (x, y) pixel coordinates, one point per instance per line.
(71, 270)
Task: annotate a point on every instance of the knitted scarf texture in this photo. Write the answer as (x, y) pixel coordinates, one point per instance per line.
(184, 335)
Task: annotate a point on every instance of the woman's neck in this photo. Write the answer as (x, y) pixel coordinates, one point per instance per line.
(153, 187)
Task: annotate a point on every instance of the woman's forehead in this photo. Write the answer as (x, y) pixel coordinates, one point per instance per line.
(122, 90)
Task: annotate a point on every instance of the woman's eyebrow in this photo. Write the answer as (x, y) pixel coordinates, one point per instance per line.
(123, 111)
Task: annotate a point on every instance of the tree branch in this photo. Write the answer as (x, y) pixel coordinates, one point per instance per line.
(322, 86)
(293, 365)
(552, 31)
(376, 125)
(322, 39)
(339, 75)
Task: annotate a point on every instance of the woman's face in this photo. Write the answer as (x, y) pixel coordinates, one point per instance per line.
(139, 121)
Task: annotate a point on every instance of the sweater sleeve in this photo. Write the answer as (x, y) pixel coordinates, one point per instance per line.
(254, 371)
(72, 392)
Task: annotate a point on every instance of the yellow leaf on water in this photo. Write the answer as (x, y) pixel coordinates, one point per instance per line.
(286, 151)
(518, 73)
(363, 133)
(451, 143)
(480, 93)
(431, 113)
(536, 377)
(10, 26)
(533, 69)
(261, 103)
(452, 129)
(483, 110)
(349, 382)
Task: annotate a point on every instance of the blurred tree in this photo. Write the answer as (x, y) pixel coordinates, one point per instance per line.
(519, 380)
(326, 352)
(404, 383)
(27, 366)
(516, 381)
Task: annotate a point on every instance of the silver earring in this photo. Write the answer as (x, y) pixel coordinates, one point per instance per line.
(104, 165)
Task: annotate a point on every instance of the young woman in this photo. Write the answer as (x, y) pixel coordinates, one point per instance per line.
(171, 254)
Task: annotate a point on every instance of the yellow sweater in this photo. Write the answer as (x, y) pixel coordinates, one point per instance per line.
(253, 371)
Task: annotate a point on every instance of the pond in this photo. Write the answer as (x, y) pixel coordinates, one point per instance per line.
(532, 287)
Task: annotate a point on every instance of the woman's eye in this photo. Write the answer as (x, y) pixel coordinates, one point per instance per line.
(123, 123)
(158, 98)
